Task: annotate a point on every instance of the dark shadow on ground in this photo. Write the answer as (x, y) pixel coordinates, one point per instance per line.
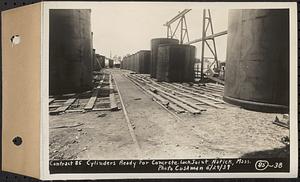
(282, 152)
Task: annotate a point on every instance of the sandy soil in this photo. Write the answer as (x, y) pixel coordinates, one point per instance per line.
(230, 132)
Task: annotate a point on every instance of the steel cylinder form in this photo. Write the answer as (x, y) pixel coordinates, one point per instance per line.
(96, 66)
(257, 64)
(138, 62)
(154, 52)
(144, 61)
(70, 56)
(175, 63)
(110, 63)
(101, 60)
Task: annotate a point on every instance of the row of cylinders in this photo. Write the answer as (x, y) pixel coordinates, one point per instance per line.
(167, 61)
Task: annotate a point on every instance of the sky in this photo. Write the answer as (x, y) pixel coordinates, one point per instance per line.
(125, 28)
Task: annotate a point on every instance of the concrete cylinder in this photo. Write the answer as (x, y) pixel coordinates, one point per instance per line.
(70, 56)
(257, 64)
(175, 63)
(154, 52)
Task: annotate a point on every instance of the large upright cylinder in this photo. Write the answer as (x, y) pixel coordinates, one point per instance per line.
(154, 52)
(257, 64)
(110, 63)
(176, 63)
(70, 56)
(144, 61)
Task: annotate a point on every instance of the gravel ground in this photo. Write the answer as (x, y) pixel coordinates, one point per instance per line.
(215, 133)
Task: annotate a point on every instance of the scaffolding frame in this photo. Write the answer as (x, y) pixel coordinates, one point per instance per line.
(181, 23)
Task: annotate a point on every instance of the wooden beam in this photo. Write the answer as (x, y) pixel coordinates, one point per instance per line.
(176, 108)
(207, 89)
(101, 109)
(185, 11)
(216, 85)
(54, 106)
(216, 80)
(192, 108)
(64, 107)
(208, 37)
(191, 95)
(92, 100)
(155, 96)
(182, 100)
(112, 99)
(201, 95)
(51, 100)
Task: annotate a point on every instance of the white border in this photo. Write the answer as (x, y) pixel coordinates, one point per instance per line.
(45, 175)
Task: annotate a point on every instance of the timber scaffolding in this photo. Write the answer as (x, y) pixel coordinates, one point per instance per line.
(103, 97)
(181, 97)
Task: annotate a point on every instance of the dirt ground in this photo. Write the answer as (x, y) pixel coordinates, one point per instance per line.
(215, 133)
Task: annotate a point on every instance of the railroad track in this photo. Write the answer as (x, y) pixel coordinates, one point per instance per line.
(180, 97)
(101, 98)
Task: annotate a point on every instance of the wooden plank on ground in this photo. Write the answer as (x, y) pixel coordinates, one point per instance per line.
(215, 86)
(92, 100)
(187, 102)
(51, 100)
(201, 95)
(192, 108)
(190, 95)
(216, 80)
(64, 107)
(176, 108)
(177, 98)
(112, 99)
(74, 110)
(54, 106)
(206, 89)
(155, 96)
(101, 109)
(211, 88)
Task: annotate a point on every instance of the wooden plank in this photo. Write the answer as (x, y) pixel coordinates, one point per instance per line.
(180, 99)
(201, 95)
(51, 100)
(189, 103)
(192, 108)
(193, 97)
(54, 106)
(74, 110)
(101, 109)
(65, 106)
(211, 88)
(92, 100)
(112, 99)
(155, 96)
(182, 105)
(113, 103)
(206, 89)
(216, 80)
(215, 85)
(176, 108)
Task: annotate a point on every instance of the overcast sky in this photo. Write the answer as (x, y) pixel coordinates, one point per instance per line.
(127, 28)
